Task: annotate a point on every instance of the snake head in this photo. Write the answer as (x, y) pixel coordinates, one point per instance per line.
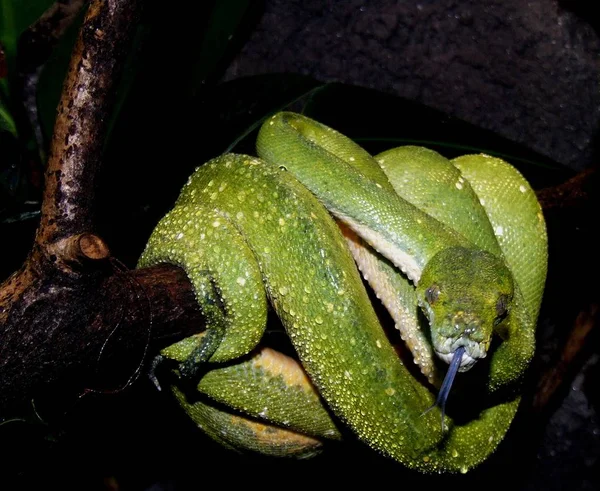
(465, 293)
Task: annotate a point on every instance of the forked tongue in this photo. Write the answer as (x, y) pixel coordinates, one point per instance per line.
(444, 391)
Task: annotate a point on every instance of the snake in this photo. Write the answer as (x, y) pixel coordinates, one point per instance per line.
(313, 228)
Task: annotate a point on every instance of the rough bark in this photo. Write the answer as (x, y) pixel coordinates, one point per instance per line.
(71, 308)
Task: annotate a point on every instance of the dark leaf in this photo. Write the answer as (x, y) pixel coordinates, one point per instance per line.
(15, 17)
(226, 26)
(7, 123)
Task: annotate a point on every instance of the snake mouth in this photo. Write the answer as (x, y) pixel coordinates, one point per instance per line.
(473, 351)
(462, 329)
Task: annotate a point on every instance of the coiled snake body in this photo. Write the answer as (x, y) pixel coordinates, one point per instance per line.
(464, 240)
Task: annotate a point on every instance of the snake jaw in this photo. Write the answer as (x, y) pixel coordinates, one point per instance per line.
(466, 330)
(459, 330)
(447, 338)
(472, 352)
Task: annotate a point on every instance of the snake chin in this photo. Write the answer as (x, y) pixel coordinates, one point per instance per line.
(473, 352)
(447, 335)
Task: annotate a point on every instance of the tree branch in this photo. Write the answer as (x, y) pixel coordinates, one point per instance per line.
(64, 336)
(83, 113)
(58, 310)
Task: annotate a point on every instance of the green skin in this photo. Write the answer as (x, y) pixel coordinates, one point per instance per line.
(244, 226)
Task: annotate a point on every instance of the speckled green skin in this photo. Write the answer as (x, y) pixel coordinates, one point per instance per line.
(491, 204)
(241, 434)
(236, 208)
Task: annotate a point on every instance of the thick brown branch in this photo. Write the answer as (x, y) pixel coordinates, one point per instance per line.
(576, 192)
(83, 113)
(74, 335)
(570, 298)
(560, 373)
(55, 312)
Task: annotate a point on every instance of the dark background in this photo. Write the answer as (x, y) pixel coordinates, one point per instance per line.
(526, 70)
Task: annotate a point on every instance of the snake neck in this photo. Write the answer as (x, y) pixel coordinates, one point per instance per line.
(410, 265)
(354, 188)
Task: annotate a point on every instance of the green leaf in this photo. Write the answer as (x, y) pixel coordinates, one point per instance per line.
(15, 17)
(18, 15)
(20, 216)
(7, 123)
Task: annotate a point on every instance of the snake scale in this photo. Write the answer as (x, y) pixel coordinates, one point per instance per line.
(455, 250)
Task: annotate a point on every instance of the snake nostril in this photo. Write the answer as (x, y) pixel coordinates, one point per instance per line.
(476, 334)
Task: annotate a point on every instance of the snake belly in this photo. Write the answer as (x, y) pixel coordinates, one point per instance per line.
(244, 226)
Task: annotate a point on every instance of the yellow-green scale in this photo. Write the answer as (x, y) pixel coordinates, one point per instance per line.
(316, 290)
(236, 210)
(321, 160)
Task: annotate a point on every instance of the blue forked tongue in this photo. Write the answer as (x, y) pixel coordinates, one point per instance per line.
(444, 392)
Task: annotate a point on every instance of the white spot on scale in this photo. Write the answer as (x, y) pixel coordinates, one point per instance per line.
(499, 230)
(458, 185)
(241, 281)
(522, 188)
(179, 235)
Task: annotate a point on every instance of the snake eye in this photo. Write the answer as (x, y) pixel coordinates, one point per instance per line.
(432, 293)
(501, 307)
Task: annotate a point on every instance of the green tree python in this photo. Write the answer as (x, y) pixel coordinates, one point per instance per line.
(455, 250)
